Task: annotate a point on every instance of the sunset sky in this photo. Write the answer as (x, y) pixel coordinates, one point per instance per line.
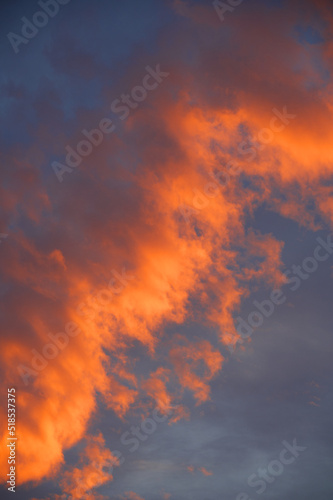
(166, 249)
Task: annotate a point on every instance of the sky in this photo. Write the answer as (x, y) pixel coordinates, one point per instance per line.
(166, 250)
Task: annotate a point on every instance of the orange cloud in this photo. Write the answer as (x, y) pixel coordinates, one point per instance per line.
(130, 495)
(195, 365)
(178, 225)
(205, 472)
(96, 463)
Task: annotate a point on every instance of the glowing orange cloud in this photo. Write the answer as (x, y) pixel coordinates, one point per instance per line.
(186, 359)
(205, 471)
(96, 461)
(194, 263)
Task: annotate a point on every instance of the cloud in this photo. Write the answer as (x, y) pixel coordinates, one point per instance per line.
(96, 463)
(124, 209)
(195, 365)
(205, 472)
(130, 495)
